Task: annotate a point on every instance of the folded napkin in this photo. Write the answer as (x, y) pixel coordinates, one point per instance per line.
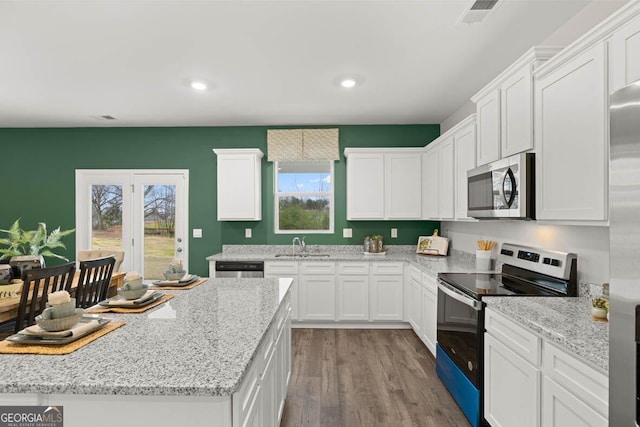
(184, 279)
(77, 329)
(119, 301)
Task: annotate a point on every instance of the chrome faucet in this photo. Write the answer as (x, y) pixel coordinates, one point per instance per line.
(303, 245)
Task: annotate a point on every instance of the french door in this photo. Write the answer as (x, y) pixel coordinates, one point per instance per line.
(141, 212)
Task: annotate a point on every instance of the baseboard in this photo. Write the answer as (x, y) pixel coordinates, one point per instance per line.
(349, 325)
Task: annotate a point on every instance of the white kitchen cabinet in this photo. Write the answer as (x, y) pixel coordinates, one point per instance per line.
(488, 113)
(239, 183)
(353, 291)
(505, 109)
(571, 137)
(386, 287)
(464, 140)
(511, 387)
(429, 312)
(365, 185)
(383, 183)
(317, 291)
(402, 178)
(413, 300)
(530, 382)
(285, 269)
(438, 183)
(573, 393)
(563, 409)
(511, 373)
(516, 113)
(446, 174)
(430, 182)
(625, 55)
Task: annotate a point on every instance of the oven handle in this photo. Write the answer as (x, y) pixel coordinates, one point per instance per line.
(459, 296)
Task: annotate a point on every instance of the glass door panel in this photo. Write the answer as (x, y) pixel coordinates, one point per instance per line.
(106, 217)
(159, 229)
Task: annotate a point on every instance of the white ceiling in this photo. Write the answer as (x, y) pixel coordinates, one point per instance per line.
(270, 62)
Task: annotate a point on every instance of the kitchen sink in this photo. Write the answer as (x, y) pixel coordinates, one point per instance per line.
(302, 255)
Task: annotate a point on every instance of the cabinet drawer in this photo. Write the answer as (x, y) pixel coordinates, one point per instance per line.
(308, 268)
(386, 268)
(353, 268)
(280, 268)
(586, 383)
(517, 338)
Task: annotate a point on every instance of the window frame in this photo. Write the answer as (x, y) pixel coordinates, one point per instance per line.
(330, 194)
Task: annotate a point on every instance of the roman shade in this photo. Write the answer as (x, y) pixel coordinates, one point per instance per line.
(302, 144)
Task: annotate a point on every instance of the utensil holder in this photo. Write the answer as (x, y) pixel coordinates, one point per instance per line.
(483, 260)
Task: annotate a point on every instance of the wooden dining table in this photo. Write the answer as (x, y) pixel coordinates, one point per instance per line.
(9, 306)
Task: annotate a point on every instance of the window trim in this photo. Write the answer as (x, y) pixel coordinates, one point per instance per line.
(330, 194)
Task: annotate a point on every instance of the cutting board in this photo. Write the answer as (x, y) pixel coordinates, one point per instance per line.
(433, 245)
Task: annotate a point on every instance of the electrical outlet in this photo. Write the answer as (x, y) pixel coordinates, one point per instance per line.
(247, 233)
(394, 233)
(197, 233)
(347, 233)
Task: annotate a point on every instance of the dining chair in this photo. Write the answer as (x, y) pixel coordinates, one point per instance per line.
(38, 284)
(94, 281)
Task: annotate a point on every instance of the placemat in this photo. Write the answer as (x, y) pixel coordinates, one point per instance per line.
(126, 310)
(180, 288)
(7, 347)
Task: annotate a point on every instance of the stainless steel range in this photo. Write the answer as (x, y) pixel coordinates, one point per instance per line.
(526, 271)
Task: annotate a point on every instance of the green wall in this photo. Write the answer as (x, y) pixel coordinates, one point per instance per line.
(40, 163)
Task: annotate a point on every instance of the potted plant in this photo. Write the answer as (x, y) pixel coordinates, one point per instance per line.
(27, 248)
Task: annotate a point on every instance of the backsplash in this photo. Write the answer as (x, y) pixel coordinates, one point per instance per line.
(591, 243)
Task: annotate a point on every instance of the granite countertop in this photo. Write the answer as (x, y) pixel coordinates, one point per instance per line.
(199, 343)
(458, 261)
(565, 322)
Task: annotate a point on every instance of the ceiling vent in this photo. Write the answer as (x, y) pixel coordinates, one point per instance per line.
(477, 11)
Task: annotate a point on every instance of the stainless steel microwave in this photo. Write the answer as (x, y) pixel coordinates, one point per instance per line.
(503, 189)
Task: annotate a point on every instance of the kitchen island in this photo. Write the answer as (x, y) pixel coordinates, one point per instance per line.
(215, 355)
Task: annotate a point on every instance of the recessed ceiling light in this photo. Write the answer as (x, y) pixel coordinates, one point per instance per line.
(348, 83)
(198, 85)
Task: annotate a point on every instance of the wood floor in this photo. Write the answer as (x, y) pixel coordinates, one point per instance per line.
(355, 377)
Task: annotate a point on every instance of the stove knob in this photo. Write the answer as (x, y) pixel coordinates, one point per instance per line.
(555, 262)
(470, 366)
(546, 260)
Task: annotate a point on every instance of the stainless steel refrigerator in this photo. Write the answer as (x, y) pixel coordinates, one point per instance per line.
(624, 200)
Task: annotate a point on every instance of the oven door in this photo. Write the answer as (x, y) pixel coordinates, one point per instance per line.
(460, 328)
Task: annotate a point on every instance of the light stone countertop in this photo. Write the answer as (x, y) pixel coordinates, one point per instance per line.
(565, 322)
(457, 261)
(201, 342)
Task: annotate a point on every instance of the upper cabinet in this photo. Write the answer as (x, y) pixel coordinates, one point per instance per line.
(445, 163)
(505, 109)
(625, 55)
(383, 183)
(438, 184)
(239, 184)
(402, 192)
(572, 138)
(464, 141)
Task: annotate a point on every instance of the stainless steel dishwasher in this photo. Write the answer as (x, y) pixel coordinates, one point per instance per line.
(245, 269)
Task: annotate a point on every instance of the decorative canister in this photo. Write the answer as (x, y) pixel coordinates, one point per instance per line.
(367, 244)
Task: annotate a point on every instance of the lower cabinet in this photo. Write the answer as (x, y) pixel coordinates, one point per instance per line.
(259, 401)
(414, 300)
(387, 283)
(317, 291)
(511, 387)
(353, 291)
(429, 312)
(530, 382)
